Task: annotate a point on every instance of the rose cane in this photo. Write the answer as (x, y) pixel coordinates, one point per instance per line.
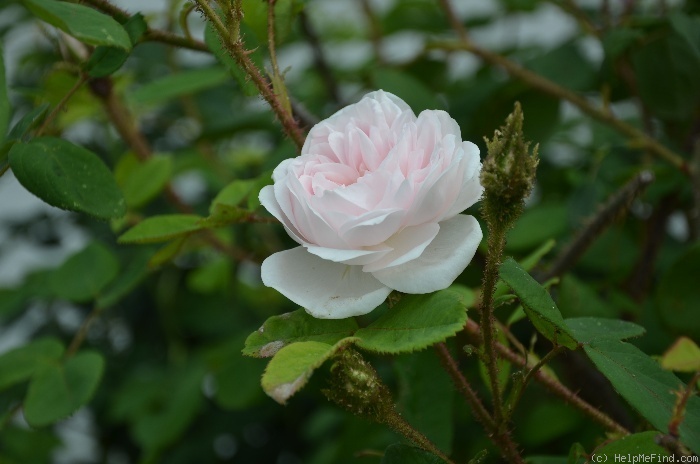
(374, 201)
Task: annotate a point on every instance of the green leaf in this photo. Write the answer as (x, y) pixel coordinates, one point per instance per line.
(538, 305)
(233, 194)
(58, 389)
(414, 323)
(27, 122)
(578, 299)
(147, 180)
(223, 215)
(132, 275)
(237, 378)
(426, 397)
(646, 386)
(297, 326)
(19, 364)
(161, 228)
(176, 85)
(255, 17)
(170, 409)
(83, 276)
(589, 329)
(677, 296)
(687, 27)
(290, 369)
(546, 422)
(618, 39)
(637, 444)
(211, 277)
(67, 176)
(536, 226)
(21, 445)
(467, 294)
(4, 99)
(405, 454)
(405, 86)
(666, 70)
(682, 356)
(106, 60)
(83, 23)
(566, 66)
(533, 259)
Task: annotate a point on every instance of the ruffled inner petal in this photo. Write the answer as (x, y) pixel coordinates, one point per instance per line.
(441, 263)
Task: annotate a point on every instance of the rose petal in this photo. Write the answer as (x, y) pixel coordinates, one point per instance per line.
(372, 228)
(268, 200)
(407, 245)
(325, 289)
(471, 187)
(352, 257)
(441, 262)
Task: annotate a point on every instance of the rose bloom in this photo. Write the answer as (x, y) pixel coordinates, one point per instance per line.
(374, 201)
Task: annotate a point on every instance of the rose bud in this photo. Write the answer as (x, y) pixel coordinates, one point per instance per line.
(374, 201)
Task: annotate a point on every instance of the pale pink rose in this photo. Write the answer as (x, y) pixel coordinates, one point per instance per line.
(374, 201)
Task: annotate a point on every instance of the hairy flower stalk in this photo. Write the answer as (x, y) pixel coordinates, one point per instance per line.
(507, 176)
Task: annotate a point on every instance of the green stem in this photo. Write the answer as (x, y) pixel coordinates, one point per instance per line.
(463, 386)
(399, 424)
(61, 104)
(496, 244)
(552, 384)
(235, 47)
(80, 335)
(518, 392)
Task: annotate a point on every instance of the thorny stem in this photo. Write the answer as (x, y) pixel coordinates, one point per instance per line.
(399, 424)
(531, 373)
(637, 137)
(61, 104)
(501, 439)
(463, 386)
(679, 408)
(500, 432)
(453, 19)
(235, 47)
(616, 205)
(271, 37)
(496, 243)
(552, 384)
(82, 331)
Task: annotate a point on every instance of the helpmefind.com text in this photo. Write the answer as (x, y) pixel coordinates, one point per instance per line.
(601, 458)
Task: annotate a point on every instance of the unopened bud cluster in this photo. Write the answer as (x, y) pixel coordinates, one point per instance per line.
(355, 385)
(508, 173)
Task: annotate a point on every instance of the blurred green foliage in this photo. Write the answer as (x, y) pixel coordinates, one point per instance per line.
(126, 129)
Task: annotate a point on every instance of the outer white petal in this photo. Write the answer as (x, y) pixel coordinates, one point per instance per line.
(441, 262)
(268, 200)
(471, 188)
(325, 289)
